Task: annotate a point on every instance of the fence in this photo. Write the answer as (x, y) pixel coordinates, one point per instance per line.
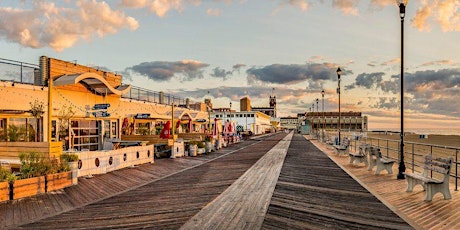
(16, 71)
(413, 153)
(21, 72)
(141, 94)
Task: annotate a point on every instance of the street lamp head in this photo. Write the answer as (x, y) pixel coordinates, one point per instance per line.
(317, 100)
(402, 8)
(339, 72)
(230, 105)
(322, 92)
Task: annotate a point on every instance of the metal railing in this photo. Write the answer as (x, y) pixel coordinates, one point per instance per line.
(414, 153)
(16, 71)
(22, 72)
(140, 94)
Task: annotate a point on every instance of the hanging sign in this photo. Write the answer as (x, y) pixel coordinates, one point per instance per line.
(101, 114)
(101, 106)
(142, 115)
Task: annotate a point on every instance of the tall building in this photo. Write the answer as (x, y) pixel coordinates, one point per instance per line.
(245, 104)
(271, 110)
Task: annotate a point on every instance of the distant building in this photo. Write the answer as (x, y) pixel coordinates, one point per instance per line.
(245, 104)
(349, 121)
(288, 122)
(271, 110)
(256, 122)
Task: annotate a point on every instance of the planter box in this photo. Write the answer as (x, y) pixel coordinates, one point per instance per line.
(58, 181)
(28, 187)
(201, 150)
(4, 191)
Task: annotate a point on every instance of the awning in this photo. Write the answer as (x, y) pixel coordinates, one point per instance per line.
(93, 81)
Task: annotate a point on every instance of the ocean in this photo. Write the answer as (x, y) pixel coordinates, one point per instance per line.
(440, 131)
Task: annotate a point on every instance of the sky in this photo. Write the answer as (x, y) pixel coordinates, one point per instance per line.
(229, 49)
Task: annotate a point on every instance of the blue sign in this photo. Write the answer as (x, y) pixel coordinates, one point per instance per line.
(101, 114)
(101, 106)
(142, 115)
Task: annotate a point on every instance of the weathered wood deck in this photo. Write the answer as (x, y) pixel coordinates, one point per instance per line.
(165, 197)
(311, 193)
(436, 214)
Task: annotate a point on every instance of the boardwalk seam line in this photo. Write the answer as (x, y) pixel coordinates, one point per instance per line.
(131, 188)
(391, 207)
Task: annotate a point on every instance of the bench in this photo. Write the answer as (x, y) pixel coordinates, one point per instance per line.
(342, 149)
(361, 156)
(438, 167)
(380, 161)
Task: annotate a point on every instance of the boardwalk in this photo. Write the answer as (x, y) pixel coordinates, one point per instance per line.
(230, 189)
(313, 193)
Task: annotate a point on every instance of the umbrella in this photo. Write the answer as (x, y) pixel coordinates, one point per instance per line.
(166, 131)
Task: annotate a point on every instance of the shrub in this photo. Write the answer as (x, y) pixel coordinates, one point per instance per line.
(6, 175)
(35, 165)
(201, 144)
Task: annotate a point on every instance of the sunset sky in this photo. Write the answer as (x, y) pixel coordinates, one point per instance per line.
(237, 48)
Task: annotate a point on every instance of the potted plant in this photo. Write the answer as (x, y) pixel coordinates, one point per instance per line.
(209, 146)
(192, 148)
(70, 160)
(201, 147)
(6, 178)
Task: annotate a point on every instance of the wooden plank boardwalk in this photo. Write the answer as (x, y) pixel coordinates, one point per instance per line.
(313, 193)
(244, 204)
(435, 214)
(165, 203)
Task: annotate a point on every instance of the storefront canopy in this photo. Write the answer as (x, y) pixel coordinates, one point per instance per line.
(95, 82)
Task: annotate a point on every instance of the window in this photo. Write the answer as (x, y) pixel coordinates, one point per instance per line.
(85, 134)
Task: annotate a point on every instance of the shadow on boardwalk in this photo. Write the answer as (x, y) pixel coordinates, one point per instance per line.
(314, 193)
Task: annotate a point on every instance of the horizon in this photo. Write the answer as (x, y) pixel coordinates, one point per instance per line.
(233, 49)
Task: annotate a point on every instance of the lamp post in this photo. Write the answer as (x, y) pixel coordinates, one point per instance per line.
(402, 166)
(322, 130)
(339, 72)
(317, 113)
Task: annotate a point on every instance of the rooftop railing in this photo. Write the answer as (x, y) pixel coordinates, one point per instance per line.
(27, 73)
(16, 71)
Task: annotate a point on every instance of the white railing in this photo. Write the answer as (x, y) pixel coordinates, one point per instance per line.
(100, 162)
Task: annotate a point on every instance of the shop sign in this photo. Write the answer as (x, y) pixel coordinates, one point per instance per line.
(101, 114)
(142, 115)
(101, 106)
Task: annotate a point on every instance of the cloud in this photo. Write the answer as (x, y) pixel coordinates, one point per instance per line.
(220, 73)
(437, 63)
(64, 26)
(348, 7)
(238, 67)
(301, 4)
(313, 73)
(392, 62)
(444, 12)
(213, 12)
(165, 71)
(158, 7)
(367, 80)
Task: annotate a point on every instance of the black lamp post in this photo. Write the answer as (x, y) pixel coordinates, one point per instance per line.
(319, 122)
(402, 166)
(322, 130)
(339, 72)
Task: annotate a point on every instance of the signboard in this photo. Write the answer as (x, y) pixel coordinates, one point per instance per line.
(101, 106)
(142, 115)
(101, 114)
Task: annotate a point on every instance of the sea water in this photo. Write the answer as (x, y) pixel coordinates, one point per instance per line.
(438, 131)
